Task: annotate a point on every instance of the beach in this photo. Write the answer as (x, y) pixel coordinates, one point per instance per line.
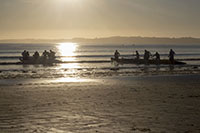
(154, 104)
(99, 66)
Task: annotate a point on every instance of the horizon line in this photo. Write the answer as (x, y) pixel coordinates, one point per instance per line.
(98, 38)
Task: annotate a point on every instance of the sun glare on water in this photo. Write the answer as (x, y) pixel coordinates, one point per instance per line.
(67, 51)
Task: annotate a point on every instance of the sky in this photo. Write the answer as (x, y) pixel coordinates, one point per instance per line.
(57, 19)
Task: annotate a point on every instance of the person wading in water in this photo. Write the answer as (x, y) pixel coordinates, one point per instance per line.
(171, 56)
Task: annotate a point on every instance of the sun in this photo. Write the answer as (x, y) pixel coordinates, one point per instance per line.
(62, 6)
(67, 1)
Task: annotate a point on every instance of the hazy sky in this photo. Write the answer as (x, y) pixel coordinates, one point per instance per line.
(98, 18)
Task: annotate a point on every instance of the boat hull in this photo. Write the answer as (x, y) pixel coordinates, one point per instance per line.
(40, 60)
(142, 61)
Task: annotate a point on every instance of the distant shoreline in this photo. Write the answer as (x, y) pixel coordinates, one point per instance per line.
(132, 40)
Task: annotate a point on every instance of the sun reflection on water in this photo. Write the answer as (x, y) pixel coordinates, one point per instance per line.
(69, 79)
(67, 51)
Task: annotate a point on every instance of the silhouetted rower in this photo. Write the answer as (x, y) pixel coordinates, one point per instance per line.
(52, 55)
(36, 55)
(157, 55)
(116, 55)
(45, 54)
(25, 55)
(137, 55)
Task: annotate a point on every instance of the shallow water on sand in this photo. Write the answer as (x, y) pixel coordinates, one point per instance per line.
(151, 104)
(95, 61)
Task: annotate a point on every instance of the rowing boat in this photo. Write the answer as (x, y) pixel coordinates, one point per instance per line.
(40, 60)
(142, 61)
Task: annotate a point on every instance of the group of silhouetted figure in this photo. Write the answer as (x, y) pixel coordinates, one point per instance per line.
(45, 55)
(147, 56)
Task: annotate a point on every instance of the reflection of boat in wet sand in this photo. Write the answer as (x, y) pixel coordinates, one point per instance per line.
(40, 60)
(142, 61)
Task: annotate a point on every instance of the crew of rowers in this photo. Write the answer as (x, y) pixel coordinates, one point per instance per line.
(46, 55)
(147, 55)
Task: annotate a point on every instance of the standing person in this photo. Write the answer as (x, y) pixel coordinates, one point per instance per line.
(116, 55)
(146, 56)
(171, 56)
(157, 55)
(137, 55)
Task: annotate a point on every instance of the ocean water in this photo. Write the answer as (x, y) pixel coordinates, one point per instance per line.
(89, 60)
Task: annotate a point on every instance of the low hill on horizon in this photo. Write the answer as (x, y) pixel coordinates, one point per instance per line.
(112, 40)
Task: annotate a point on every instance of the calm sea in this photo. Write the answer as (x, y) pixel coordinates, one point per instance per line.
(94, 59)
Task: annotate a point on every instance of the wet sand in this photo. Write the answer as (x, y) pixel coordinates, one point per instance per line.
(155, 104)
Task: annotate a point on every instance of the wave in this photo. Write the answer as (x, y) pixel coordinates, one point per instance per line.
(44, 69)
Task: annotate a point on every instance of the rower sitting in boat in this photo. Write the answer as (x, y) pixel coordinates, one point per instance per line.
(45, 54)
(25, 55)
(36, 55)
(157, 55)
(116, 55)
(46, 58)
(51, 55)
